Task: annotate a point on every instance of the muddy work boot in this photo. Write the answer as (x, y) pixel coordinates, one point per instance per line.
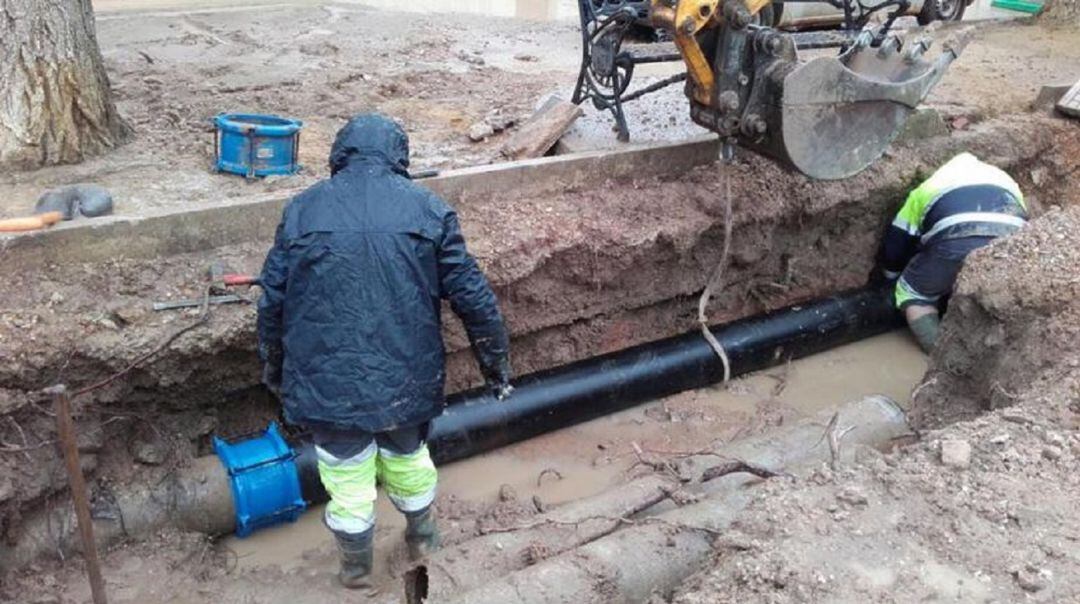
(357, 553)
(421, 533)
(926, 329)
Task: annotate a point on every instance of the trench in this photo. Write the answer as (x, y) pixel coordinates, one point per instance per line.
(835, 242)
(588, 458)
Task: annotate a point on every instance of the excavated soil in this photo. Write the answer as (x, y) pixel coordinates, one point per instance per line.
(295, 563)
(1000, 525)
(578, 273)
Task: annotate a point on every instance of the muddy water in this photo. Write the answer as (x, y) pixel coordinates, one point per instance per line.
(592, 456)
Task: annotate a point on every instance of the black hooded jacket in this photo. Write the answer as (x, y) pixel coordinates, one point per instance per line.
(352, 290)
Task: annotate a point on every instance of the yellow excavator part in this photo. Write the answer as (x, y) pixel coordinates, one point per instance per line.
(829, 117)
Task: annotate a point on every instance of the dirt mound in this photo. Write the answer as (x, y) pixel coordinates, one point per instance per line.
(980, 510)
(1012, 326)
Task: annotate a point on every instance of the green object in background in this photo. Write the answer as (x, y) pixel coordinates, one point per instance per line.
(1022, 6)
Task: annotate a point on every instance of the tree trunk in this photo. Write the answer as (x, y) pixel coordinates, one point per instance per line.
(55, 104)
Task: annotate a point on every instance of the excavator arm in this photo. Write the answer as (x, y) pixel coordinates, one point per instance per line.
(829, 117)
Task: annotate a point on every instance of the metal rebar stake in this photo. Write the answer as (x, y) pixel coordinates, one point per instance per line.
(65, 426)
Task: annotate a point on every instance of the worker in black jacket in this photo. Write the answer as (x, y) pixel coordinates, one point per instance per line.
(350, 332)
(963, 206)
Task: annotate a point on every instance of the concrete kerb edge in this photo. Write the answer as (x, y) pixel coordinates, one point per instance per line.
(191, 229)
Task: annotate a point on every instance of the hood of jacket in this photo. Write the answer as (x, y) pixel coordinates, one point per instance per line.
(370, 138)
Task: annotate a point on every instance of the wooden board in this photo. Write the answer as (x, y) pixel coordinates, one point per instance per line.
(542, 130)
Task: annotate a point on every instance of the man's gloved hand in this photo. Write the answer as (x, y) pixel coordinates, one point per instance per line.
(272, 359)
(497, 377)
(271, 377)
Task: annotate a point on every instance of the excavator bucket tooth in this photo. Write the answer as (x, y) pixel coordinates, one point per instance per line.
(839, 114)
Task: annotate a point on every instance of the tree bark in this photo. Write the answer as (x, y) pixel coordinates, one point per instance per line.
(55, 103)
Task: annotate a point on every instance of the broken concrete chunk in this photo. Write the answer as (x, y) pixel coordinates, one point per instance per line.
(1033, 579)
(480, 131)
(471, 59)
(1049, 95)
(1052, 453)
(956, 453)
(852, 495)
(498, 120)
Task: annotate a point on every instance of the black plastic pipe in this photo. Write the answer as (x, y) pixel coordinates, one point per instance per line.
(200, 497)
(474, 422)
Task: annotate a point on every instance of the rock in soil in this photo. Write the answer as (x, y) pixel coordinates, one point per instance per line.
(1032, 578)
(995, 533)
(151, 453)
(481, 131)
(956, 453)
(507, 493)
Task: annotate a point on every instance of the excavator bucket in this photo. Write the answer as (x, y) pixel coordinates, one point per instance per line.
(839, 114)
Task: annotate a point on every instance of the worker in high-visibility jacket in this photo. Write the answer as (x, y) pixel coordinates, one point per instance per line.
(963, 206)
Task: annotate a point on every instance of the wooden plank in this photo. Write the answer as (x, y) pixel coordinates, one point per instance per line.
(542, 130)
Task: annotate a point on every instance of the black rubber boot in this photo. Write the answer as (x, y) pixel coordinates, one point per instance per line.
(421, 533)
(926, 329)
(357, 553)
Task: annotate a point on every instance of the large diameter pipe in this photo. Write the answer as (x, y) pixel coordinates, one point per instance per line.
(196, 497)
(475, 422)
(199, 497)
(659, 551)
(491, 556)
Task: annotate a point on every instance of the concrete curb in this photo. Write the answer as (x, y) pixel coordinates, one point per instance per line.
(191, 229)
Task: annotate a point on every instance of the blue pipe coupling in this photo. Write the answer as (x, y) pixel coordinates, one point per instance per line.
(265, 482)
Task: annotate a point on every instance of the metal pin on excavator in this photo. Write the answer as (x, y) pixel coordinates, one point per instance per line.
(829, 117)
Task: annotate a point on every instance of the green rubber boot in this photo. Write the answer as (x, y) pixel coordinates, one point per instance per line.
(421, 533)
(926, 329)
(357, 554)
